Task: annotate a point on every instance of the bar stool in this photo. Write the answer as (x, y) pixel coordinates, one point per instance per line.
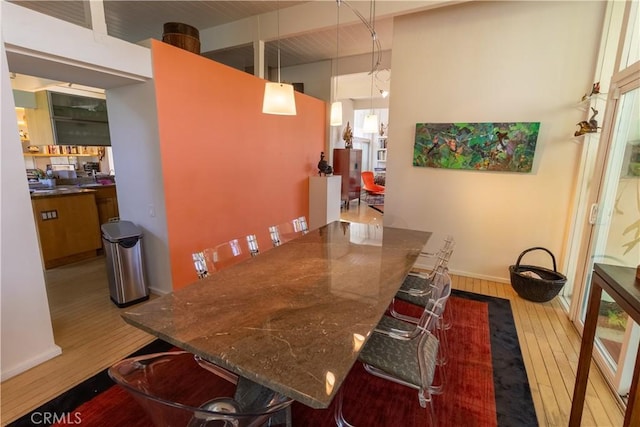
(407, 354)
(289, 230)
(224, 255)
(175, 390)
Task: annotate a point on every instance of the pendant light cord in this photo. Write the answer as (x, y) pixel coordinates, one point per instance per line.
(335, 88)
(371, 27)
(278, 29)
(372, 14)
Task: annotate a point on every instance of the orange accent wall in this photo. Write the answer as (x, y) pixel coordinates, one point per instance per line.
(228, 169)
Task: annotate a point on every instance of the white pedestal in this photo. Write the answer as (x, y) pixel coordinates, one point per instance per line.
(324, 200)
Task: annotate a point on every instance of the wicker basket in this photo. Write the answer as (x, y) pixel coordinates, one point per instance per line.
(541, 289)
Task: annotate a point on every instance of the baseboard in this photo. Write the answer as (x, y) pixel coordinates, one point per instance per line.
(157, 291)
(481, 276)
(28, 364)
(429, 266)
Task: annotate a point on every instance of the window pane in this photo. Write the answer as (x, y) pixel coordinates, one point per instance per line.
(631, 50)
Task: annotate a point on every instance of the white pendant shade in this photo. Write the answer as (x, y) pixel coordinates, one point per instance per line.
(336, 114)
(279, 99)
(370, 124)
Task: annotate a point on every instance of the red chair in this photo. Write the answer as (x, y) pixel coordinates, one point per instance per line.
(372, 189)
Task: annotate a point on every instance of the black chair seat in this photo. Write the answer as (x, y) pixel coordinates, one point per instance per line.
(415, 283)
(399, 358)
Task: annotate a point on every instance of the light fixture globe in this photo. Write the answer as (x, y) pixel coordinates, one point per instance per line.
(336, 114)
(279, 99)
(370, 123)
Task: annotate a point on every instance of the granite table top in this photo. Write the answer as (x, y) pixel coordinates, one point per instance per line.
(295, 317)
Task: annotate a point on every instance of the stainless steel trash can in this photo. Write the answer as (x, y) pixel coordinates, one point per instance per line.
(125, 268)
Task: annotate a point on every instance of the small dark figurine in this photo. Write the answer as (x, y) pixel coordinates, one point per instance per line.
(323, 166)
(590, 126)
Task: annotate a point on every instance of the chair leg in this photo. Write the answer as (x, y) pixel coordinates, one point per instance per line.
(443, 349)
(338, 414)
(447, 320)
(439, 380)
(426, 401)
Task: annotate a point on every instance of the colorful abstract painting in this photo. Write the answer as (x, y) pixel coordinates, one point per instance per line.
(506, 147)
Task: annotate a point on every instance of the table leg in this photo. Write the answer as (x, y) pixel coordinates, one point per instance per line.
(586, 350)
(632, 417)
(248, 391)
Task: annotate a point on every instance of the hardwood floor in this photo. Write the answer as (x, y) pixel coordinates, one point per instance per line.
(88, 327)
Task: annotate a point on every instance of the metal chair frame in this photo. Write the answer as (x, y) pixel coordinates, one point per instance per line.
(423, 331)
(289, 230)
(210, 260)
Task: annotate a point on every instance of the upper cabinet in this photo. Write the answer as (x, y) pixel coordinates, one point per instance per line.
(64, 119)
(74, 107)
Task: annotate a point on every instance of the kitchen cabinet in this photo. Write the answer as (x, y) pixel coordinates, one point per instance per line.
(62, 119)
(67, 225)
(107, 203)
(348, 164)
(39, 121)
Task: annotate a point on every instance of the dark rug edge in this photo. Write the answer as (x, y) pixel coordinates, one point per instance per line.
(376, 208)
(514, 402)
(81, 393)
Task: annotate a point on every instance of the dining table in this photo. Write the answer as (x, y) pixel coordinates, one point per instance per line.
(294, 318)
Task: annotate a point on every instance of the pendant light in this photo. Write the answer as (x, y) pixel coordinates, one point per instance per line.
(279, 97)
(371, 119)
(336, 106)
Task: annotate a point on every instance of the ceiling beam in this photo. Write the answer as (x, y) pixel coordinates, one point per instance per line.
(303, 18)
(53, 48)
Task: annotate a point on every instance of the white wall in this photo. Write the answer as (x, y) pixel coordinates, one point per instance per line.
(42, 46)
(316, 78)
(133, 124)
(490, 62)
(25, 322)
(36, 42)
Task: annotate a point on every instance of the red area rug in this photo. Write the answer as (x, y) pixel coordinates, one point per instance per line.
(486, 384)
(468, 399)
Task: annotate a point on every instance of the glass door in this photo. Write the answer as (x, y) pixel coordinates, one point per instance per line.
(616, 234)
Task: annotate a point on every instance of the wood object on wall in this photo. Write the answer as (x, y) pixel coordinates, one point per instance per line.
(348, 164)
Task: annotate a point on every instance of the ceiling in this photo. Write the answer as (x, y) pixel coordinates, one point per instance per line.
(305, 31)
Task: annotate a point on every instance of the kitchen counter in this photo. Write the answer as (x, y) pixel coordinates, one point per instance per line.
(59, 192)
(67, 190)
(68, 224)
